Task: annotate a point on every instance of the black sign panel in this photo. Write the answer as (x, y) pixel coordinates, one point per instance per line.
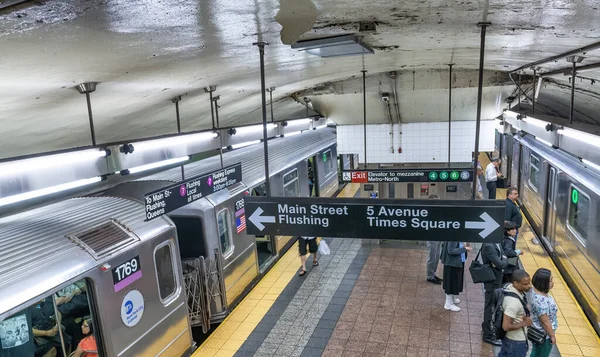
(429, 220)
(126, 273)
(368, 187)
(172, 197)
(424, 175)
(451, 188)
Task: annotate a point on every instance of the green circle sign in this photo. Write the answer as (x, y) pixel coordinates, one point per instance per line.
(324, 158)
(454, 175)
(443, 175)
(574, 196)
(433, 175)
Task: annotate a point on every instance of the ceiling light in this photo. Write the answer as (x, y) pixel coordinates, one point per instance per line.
(320, 127)
(301, 121)
(581, 136)
(535, 122)
(588, 163)
(254, 128)
(155, 165)
(247, 143)
(292, 133)
(344, 45)
(50, 161)
(47, 191)
(174, 140)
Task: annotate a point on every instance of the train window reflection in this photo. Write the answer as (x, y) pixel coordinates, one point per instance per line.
(328, 163)
(223, 219)
(165, 271)
(534, 174)
(291, 185)
(579, 213)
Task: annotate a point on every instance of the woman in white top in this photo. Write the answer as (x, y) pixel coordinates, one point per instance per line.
(543, 311)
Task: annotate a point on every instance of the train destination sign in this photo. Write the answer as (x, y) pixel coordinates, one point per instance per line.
(412, 175)
(429, 220)
(170, 198)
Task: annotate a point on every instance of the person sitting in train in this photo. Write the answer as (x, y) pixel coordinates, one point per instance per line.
(72, 300)
(311, 242)
(509, 246)
(45, 320)
(87, 347)
(512, 212)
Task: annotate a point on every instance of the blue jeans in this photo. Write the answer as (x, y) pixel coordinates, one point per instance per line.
(512, 348)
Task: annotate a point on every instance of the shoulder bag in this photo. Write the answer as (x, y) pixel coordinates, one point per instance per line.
(481, 273)
(536, 336)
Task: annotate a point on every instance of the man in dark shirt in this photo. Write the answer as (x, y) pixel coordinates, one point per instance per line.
(16, 335)
(492, 254)
(512, 212)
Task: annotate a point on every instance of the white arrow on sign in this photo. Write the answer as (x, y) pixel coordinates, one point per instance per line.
(258, 220)
(488, 225)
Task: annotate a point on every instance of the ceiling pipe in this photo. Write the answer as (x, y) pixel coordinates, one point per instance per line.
(568, 70)
(581, 50)
(386, 100)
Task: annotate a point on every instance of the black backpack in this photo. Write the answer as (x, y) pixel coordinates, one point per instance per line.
(498, 311)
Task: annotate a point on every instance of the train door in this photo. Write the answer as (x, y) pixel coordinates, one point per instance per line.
(516, 161)
(265, 247)
(313, 189)
(550, 211)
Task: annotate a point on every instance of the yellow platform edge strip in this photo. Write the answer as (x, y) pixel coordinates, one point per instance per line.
(229, 336)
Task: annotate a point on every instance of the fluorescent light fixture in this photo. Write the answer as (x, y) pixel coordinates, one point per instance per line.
(581, 136)
(173, 141)
(247, 143)
(300, 121)
(155, 165)
(292, 133)
(536, 122)
(50, 161)
(591, 164)
(321, 127)
(543, 141)
(254, 128)
(47, 191)
(344, 45)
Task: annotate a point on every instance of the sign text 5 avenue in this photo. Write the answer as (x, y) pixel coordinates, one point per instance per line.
(434, 220)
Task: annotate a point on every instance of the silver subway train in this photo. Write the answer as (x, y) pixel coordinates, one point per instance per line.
(141, 284)
(561, 198)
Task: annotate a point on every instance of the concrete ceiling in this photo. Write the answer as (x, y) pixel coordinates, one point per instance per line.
(145, 52)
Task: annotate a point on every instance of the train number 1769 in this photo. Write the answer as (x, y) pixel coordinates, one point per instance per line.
(125, 270)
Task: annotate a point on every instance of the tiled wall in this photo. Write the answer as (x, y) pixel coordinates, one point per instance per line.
(420, 142)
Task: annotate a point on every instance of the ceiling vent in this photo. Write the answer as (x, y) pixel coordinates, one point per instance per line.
(101, 241)
(344, 45)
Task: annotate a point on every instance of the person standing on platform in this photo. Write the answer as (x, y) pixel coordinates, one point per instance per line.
(433, 256)
(491, 177)
(454, 255)
(516, 317)
(493, 255)
(479, 194)
(509, 246)
(544, 311)
(512, 212)
(311, 242)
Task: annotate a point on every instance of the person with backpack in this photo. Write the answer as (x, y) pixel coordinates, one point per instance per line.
(492, 255)
(454, 255)
(511, 315)
(509, 246)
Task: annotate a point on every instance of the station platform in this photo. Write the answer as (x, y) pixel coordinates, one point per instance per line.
(371, 298)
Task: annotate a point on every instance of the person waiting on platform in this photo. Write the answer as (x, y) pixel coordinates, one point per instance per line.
(509, 246)
(454, 255)
(543, 311)
(491, 177)
(433, 256)
(311, 242)
(492, 255)
(512, 212)
(516, 317)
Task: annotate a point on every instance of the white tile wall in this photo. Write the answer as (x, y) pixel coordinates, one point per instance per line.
(420, 142)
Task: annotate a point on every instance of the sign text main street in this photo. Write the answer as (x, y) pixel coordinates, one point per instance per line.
(433, 220)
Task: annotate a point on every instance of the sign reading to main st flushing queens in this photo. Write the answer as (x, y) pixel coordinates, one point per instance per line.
(428, 220)
(182, 193)
(401, 175)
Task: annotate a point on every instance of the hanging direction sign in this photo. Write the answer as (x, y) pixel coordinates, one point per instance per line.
(180, 194)
(426, 220)
(401, 175)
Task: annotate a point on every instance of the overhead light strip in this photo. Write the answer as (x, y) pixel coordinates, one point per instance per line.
(49, 161)
(47, 191)
(156, 165)
(254, 128)
(581, 136)
(174, 141)
(247, 143)
(588, 163)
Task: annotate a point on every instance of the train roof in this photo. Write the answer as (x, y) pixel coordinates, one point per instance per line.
(41, 249)
(564, 162)
(283, 153)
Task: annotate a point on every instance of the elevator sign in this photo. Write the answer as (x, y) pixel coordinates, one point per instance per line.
(425, 175)
(428, 220)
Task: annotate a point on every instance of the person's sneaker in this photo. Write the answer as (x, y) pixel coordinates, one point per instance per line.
(492, 341)
(451, 307)
(455, 300)
(434, 281)
(438, 278)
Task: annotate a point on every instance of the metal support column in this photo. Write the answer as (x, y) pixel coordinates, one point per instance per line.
(483, 26)
(216, 100)
(178, 118)
(87, 88)
(519, 98)
(534, 85)
(573, 76)
(270, 90)
(210, 89)
(364, 73)
(449, 109)
(261, 48)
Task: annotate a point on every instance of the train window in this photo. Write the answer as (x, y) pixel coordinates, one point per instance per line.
(328, 163)
(579, 213)
(165, 271)
(58, 324)
(291, 185)
(190, 235)
(534, 172)
(224, 226)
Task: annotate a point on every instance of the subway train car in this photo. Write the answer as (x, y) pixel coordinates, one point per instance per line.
(220, 261)
(561, 198)
(95, 262)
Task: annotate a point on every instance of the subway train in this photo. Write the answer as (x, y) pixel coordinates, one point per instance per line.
(561, 199)
(143, 284)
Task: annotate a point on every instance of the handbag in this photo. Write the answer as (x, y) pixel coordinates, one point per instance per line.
(324, 248)
(536, 336)
(481, 273)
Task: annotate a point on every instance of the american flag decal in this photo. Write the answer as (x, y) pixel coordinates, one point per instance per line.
(240, 223)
